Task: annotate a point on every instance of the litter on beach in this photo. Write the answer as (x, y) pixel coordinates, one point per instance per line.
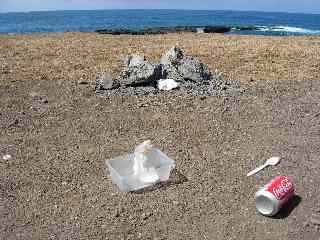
(270, 198)
(270, 162)
(143, 168)
(167, 84)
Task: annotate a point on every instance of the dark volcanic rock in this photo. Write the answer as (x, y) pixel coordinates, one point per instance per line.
(134, 60)
(179, 67)
(169, 62)
(165, 30)
(117, 31)
(216, 29)
(171, 72)
(139, 71)
(192, 69)
(246, 28)
(172, 57)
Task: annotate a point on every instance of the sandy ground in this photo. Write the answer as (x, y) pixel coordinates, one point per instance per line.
(59, 133)
(79, 56)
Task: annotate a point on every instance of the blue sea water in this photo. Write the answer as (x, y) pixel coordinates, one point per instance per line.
(267, 23)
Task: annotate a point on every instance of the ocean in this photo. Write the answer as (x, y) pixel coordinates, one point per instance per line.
(241, 22)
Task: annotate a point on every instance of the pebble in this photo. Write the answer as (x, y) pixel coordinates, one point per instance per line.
(315, 221)
(14, 123)
(83, 82)
(7, 157)
(145, 216)
(44, 100)
(104, 226)
(306, 224)
(33, 94)
(175, 203)
(117, 214)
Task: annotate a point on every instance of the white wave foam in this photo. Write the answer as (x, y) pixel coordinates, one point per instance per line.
(263, 28)
(289, 29)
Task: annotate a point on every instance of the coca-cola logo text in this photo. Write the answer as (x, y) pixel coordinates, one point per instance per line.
(281, 189)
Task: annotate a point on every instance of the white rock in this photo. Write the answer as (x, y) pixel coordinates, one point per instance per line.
(172, 56)
(7, 157)
(167, 84)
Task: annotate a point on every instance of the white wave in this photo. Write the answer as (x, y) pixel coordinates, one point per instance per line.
(263, 28)
(289, 29)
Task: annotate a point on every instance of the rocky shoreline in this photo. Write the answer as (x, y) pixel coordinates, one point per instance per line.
(177, 29)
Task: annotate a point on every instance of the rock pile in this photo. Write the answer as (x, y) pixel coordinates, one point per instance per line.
(140, 76)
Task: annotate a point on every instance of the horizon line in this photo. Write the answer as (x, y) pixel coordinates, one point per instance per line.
(166, 9)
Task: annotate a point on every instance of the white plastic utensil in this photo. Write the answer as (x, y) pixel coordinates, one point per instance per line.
(270, 162)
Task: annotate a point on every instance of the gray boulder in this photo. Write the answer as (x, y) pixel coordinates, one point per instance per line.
(139, 71)
(169, 62)
(192, 69)
(179, 67)
(105, 81)
(172, 57)
(171, 72)
(134, 60)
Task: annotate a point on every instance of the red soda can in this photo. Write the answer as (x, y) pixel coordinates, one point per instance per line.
(270, 198)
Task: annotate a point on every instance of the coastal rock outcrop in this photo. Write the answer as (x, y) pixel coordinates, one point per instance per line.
(166, 30)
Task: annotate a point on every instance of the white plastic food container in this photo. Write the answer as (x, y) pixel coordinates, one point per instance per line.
(122, 173)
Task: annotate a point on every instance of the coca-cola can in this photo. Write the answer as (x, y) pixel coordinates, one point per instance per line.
(270, 198)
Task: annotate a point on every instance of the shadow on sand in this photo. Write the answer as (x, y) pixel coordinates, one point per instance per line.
(175, 178)
(288, 207)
